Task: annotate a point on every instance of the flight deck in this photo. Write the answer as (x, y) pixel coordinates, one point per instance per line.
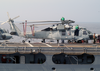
(49, 48)
(26, 44)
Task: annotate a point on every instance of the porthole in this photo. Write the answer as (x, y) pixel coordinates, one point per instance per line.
(73, 59)
(91, 68)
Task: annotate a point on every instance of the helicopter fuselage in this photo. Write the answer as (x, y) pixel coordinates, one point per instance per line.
(62, 34)
(4, 35)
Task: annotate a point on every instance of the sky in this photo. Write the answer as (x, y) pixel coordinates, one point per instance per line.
(32, 10)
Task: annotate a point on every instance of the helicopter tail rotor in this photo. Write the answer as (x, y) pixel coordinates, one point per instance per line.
(4, 22)
(8, 15)
(9, 20)
(15, 17)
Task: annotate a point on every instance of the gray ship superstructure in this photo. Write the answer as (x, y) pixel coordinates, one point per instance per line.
(49, 57)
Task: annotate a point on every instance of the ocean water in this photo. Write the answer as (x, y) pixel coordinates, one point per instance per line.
(94, 27)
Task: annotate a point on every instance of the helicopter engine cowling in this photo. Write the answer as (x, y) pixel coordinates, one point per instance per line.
(13, 33)
(3, 36)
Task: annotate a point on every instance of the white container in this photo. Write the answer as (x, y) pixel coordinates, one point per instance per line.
(90, 41)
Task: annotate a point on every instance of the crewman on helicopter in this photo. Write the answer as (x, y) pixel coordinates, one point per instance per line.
(76, 30)
(62, 18)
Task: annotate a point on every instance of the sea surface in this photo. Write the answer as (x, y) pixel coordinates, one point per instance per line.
(94, 27)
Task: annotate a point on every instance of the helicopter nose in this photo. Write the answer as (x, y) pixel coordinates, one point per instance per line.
(8, 36)
(91, 37)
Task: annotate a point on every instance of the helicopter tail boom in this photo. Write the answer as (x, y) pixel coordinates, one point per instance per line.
(14, 29)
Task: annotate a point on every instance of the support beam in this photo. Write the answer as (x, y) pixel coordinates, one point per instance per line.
(62, 41)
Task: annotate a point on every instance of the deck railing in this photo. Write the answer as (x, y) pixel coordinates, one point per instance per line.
(50, 50)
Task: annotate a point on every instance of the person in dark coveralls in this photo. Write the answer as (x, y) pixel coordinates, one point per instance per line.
(76, 30)
(99, 38)
(94, 38)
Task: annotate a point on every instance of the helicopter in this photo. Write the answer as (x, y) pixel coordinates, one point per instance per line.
(62, 30)
(4, 35)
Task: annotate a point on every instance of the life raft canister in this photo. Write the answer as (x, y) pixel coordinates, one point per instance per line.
(3, 59)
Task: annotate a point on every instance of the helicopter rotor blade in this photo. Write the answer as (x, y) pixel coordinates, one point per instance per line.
(43, 24)
(15, 17)
(8, 15)
(4, 22)
(42, 21)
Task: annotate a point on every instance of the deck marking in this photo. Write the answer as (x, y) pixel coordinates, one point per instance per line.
(29, 44)
(47, 44)
(70, 48)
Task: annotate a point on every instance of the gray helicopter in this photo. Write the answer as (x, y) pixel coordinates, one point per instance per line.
(4, 35)
(62, 30)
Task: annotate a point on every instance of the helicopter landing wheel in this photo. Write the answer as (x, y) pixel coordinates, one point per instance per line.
(43, 41)
(29, 41)
(23, 41)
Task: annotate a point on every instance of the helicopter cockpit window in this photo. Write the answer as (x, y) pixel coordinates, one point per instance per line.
(1, 31)
(89, 32)
(63, 32)
(84, 33)
(47, 29)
